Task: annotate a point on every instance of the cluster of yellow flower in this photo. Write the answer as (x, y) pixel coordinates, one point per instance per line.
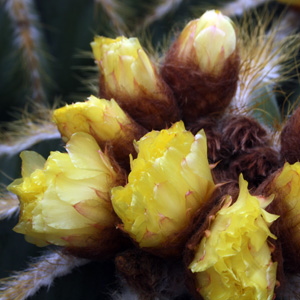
(73, 199)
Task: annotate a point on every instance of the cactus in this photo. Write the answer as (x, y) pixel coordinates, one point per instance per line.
(240, 87)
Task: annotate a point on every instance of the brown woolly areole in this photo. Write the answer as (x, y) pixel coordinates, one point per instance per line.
(198, 93)
(238, 144)
(243, 133)
(152, 111)
(256, 165)
(290, 139)
(151, 276)
(230, 135)
(192, 245)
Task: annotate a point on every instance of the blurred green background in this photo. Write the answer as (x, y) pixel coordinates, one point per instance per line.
(66, 28)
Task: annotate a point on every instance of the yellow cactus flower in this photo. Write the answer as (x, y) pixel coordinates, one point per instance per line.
(212, 37)
(104, 120)
(169, 181)
(287, 186)
(128, 76)
(66, 200)
(233, 261)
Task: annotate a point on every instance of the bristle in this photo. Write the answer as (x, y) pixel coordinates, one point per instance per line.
(28, 40)
(9, 204)
(164, 7)
(112, 8)
(266, 59)
(40, 273)
(240, 6)
(30, 129)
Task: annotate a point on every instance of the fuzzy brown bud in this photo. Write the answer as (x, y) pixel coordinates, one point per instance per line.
(202, 66)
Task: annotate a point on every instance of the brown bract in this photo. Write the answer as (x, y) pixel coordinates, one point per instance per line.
(198, 93)
(290, 138)
(152, 111)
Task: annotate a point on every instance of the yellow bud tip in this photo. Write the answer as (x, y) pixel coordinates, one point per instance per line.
(124, 65)
(103, 119)
(212, 37)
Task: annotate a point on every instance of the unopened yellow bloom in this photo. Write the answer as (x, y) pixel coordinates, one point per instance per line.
(234, 260)
(169, 181)
(287, 186)
(212, 37)
(128, 76)
(125, 65)
(66, 200)
(104, 120)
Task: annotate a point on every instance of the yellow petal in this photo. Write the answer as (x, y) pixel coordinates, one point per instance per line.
(31, 161)
(95, 211)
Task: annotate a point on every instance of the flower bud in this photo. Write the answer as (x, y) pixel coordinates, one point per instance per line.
(233, 259)
(128, 76)
(202, 66)
(65, 200)
(105, 121)
(212, 38)
(169, 182)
